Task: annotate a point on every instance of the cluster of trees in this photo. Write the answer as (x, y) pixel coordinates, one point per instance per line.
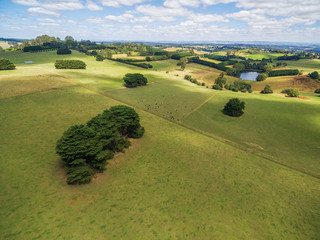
(291, 92)
(6, 64)
(99, 58)
(62, 51)
(130, 62)
(70, 64)
(267, 90)
(193, 80)
(85, 148)
(239, 86)
(219, 66)
(317, 90)
(234, 108)
(283, 72)
(179, 55)
(157, 58)
(314, 75)
(220, 82)
(133, 80)
(261, 77)
(183, 63)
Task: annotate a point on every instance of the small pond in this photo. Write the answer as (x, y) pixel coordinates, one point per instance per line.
(249, 76)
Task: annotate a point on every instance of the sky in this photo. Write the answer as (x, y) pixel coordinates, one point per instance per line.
(166, 20)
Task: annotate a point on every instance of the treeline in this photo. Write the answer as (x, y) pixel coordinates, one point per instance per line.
(142, 65)
(219, 66)
(284, 72)
(70, 64)
(288, 58)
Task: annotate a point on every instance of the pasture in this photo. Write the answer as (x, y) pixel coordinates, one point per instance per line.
(175, 182)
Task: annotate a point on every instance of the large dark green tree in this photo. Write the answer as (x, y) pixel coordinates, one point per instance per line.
(314, 75)
(133, 80)
(267, 90)
(234, 107)
(85, 148)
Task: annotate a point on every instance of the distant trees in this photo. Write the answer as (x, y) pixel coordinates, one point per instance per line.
(267, 90)
(6, 64)
(234, 107)
(182, 63)
(221, 80)
(262, 77)
(99, 58)
(317, 90)
(70, 64)
(314, 75)
(133, 80)
(85, 148)
(284, 72)
(62, 51)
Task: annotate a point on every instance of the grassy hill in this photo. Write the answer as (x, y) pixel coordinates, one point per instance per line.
(175, 182)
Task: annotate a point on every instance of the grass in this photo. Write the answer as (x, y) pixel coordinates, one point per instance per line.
(306, 65)
(171, 184)
(303, 83)
(270, 125)
(174, 183)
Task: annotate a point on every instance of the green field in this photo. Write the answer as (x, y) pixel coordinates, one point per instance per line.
(175, 182)
(306, 65)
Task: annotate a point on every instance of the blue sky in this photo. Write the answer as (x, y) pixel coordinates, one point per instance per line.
(168, 20)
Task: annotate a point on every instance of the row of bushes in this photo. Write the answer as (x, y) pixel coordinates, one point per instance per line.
(179, 55)
(85, 148)
(193, 80)
(70, 64)
(6, 64)
(62, 51)
(38, 49)
(219, 66)
(283, 72)
(142, 65)
(157, 58)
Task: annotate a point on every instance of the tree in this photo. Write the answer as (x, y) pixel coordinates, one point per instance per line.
(61, 51)
(6, 64)
(216, 87)
(317, 90)
(262, 77)
(85, 148)
(148, 59)
(267, 90)
(234, 107)
(182, 63)
(99, 58)
(314, 75)
(221, 80)
(293, 93)
(133, 80)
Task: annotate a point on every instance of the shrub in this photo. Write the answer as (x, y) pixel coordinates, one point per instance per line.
(133, 80)
(293, 93)
(261, 77)
(62, 51)
(6, 64)
(285, 91)
(250, 90)
(203, 84)
(148, 59)
(216, 87)
(314, 75)
(99, 58)
(234, 107)
(317, 90)
(243, 90)
(267, 90)
(70, 64)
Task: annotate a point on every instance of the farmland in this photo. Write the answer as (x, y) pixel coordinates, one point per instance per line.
(196, 173)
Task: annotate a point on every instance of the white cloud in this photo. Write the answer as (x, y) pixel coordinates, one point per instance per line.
(203, 18)
(93, 6)
(39, 10)
(180, 3)
(26, 2)
(49, 24)
(121, 18)
(62, 5)
(162, 12)
(119, 3)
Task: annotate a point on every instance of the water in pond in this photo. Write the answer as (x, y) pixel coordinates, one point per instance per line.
(249, 76)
